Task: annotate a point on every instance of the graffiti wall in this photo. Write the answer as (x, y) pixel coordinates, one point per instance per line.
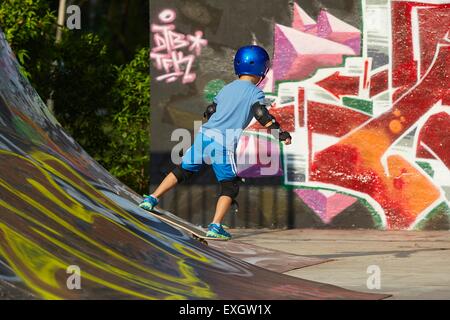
(363, 87)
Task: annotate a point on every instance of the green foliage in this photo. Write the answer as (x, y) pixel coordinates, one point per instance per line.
(123, 24)
(212, 88)
(26, 21)
(129, 149)
(29, 28)
(104, 107)
(82, 79)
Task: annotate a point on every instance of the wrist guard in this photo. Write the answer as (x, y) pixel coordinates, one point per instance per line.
(284, 135)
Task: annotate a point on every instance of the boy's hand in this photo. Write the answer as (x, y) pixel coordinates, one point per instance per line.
(287, 142)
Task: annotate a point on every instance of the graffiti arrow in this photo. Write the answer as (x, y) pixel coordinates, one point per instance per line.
(359, 161)
(340, 85)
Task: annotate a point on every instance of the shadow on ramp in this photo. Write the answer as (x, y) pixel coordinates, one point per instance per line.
(269, 259)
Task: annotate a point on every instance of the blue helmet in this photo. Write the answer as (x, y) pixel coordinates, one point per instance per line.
(252, 60)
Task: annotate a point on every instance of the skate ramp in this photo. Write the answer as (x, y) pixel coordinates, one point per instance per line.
(59, 208)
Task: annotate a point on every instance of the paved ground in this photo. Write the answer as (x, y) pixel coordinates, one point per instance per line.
(412, 264)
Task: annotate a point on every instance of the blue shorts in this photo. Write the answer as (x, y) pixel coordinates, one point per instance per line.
(206, 151)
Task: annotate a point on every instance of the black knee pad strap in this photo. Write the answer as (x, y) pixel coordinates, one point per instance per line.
(181, 174)
(229, 188)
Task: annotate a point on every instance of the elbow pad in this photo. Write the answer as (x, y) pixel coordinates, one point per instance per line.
(209, 111)
(263, 116)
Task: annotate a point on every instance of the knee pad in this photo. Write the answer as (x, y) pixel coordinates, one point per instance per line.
(229, 188)
(181, 174)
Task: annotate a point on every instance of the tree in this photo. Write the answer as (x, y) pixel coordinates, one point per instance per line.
(83, 101)
(104, 106)
(129, 148)
(29, 29)
(122, 24)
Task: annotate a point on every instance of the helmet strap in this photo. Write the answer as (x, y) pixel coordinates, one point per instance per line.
(260, 80)
(263, 77)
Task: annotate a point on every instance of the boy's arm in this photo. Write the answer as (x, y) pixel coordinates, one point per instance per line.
(268, 121)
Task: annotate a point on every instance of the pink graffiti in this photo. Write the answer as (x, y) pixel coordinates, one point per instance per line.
(174, 53)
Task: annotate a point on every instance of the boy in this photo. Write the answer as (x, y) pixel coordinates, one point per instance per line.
(233, 108)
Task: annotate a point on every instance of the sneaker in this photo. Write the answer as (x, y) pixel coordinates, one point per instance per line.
(149, 203)
(217, 231)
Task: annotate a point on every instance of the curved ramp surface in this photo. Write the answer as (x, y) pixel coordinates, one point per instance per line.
(59, 208)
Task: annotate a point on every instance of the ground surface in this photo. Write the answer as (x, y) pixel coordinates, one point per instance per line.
(413, 264)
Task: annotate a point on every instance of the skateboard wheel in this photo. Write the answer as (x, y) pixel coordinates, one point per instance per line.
(200, 239)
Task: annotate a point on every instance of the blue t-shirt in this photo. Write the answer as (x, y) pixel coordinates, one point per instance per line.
(233, 112)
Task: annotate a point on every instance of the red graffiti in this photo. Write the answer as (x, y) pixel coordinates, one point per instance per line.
(434, 138)
(433, 25)
(333, 120)
(379, 83)
(355, 162)
(340, 85)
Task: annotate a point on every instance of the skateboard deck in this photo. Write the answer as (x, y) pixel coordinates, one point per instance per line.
(196, 232)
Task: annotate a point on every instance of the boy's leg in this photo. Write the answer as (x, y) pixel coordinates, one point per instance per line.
(191, 163)
(222, 207)
(178, 175)
(166, 185)
(152, 200)
(225, 171)
(229, 191)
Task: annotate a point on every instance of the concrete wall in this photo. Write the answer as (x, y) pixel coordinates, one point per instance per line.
(363, 87)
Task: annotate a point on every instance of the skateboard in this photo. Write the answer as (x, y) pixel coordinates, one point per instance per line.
(196, 232)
